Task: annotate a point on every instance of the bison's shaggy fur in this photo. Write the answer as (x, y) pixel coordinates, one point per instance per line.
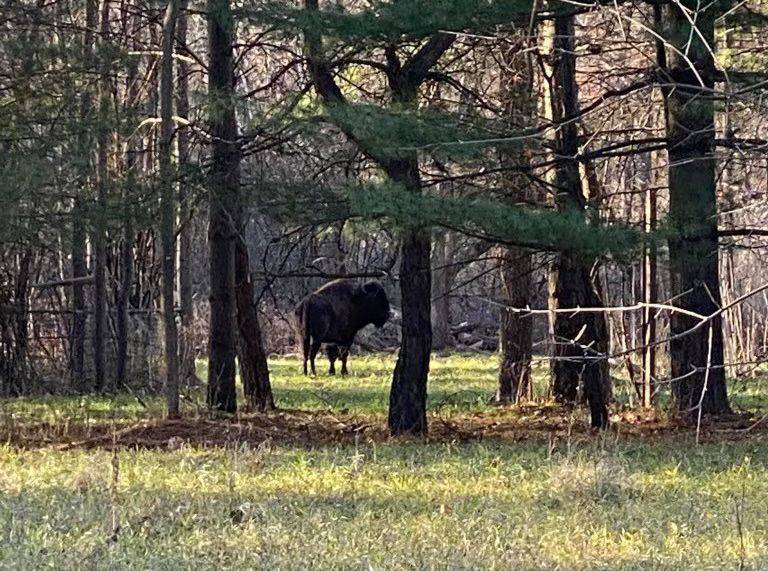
(334, 314)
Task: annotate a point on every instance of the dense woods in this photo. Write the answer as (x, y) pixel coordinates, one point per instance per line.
(584, 185)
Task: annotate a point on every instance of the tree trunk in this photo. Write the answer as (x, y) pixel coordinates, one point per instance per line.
(186, 350)
(408, 396)
(223, 184)
(79, 234)
(126, 245)
(79, 309)
(515, 334)
(697, 358)
(100, 219)
(442, 279)
(515, 328)
(14, 324)
(579, 337)
(254, 370)
(168, 212)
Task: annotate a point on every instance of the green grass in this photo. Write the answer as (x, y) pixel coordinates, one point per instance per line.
(599, 503)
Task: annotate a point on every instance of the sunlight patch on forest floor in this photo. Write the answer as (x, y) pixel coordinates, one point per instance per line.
(319, 484)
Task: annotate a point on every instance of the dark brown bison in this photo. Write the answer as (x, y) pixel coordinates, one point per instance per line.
(334, 314)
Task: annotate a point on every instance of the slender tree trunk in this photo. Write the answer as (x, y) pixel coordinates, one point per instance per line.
(223, 183)
(126, 245)
(515, 328)
(20, 368)
(408, 396)
(254, 370)
(186, 350)
(79, 234)
(442, 278)
(579, 337)
(515, 335)
(168, 212)
(697, 358)
(100, 219)
(79, 309)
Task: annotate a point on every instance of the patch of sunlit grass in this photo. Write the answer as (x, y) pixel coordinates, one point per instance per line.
(597, 502)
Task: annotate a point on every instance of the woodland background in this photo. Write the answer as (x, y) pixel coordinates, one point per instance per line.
(172, 171)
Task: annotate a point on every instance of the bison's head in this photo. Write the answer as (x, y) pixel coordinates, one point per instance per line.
(376, 303)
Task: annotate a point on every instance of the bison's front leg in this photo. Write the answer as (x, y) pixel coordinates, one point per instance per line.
(332, 351)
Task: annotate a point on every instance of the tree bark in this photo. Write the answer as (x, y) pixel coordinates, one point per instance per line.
(254, 370)
(693, 250)
(186, 349)
(126, 245)
(515, 334)
(168, 213)
(79, 234)
(408, 395)
(442, 279)
(579, 337)
(79, 309)
(515, 328)
(100, 218)
(223, 186)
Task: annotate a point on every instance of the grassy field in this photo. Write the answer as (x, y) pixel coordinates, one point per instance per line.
(493, 488)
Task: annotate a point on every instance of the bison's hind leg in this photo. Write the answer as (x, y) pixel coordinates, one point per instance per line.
(305, 352)
(344, 353)
(313, 353)
(332, 351)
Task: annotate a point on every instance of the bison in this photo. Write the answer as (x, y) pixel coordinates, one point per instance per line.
(334, 314)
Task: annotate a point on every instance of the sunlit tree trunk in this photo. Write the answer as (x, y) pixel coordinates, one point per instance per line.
(697, 356)
(186, 350)
(580, 337)
(168, 212)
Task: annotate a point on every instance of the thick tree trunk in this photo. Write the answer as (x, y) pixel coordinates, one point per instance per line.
(579, 337)
(168, 213)
(515, 328)
(254, 370)
(697, 357)
(223, 184)
(186, 349)
(408, 396)
(515, 335)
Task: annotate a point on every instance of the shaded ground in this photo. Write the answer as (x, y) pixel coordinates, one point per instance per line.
(326, 410)
(311, 428)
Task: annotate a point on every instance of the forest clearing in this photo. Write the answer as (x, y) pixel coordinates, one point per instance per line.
(383, 284)
(321, 485)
